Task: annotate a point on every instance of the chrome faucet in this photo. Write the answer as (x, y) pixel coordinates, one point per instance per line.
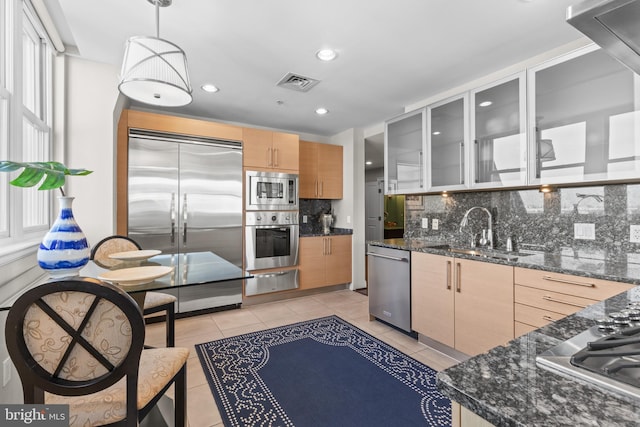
(465, 221)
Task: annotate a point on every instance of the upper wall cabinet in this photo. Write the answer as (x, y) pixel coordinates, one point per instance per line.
(266, 150)
(448, 137)
(584, 120)
(498, 131)
(404, 148)
(320, 171)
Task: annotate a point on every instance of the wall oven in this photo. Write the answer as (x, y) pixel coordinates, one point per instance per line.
(271, 191)
(271, 241)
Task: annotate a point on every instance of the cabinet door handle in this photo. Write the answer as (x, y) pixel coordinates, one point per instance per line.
(461, 163)
(458, 278)
(477, 160)
(321, 188)
(549, 318)
(330, 245)
(421, 155)
(324, 246)
(552, 299)
(269, 157)
(569, 282)
(275, 156)
(448, 275)
(316, 190)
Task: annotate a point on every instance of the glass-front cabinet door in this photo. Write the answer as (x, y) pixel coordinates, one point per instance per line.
(498, 131)
(585, 120)
(404, 148)
(447, 142)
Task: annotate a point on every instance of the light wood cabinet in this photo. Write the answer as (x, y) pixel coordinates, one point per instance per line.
(324, 261)
(433, 297)
(320, 171)
(542, 297)
(266, 150)
(465, 304)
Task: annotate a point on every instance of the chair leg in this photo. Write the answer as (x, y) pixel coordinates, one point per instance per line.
(181, 397)
(171, 326)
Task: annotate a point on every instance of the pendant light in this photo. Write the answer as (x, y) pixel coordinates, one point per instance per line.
(154, 70)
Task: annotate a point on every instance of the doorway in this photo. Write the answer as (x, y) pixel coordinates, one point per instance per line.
(393, 217)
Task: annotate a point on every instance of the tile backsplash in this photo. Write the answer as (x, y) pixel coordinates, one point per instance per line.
(560, 220)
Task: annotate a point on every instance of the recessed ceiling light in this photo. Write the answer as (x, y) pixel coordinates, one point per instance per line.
(368, 162)
(210, 88)
(436, 133)
(485, 103)
(326, 54)
(321, 111)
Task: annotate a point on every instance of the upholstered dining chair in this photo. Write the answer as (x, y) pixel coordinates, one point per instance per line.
(80, 342)
(154, 302)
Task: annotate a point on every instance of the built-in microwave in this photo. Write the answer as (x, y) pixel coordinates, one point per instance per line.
(271, 191)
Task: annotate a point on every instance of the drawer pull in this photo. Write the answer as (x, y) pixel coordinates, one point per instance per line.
(570, 282)
(549, 318)
(552, 299)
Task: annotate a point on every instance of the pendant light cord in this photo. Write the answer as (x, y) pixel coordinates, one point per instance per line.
(158, 19)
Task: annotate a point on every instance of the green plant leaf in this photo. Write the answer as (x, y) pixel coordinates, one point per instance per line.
(54, 173)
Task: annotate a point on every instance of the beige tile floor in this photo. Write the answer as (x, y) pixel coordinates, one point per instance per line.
(349, 305)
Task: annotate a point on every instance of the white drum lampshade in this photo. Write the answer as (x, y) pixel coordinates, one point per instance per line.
(154, 71)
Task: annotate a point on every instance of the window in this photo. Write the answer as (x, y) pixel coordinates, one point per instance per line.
(26, 58)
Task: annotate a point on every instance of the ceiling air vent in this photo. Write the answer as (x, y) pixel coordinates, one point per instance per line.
(297, 82)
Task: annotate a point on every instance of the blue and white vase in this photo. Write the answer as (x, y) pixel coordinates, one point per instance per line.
(64, 249)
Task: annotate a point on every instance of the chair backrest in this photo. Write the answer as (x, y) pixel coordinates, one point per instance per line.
(110, 245)
(74, 337)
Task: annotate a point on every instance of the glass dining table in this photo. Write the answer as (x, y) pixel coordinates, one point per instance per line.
(189, 270)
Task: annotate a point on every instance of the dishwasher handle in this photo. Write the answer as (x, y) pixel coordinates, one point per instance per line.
(394, 258)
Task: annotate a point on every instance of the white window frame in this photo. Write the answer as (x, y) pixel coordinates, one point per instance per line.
(16, 238)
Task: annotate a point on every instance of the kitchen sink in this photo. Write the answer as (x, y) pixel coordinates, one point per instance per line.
(488, 253)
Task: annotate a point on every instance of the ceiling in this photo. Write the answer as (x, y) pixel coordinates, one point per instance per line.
(391, 53)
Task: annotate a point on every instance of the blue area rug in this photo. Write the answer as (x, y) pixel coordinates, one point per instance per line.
(322, 372)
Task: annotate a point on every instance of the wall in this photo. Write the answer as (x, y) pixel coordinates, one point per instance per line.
(92, 92)
(349, 212)
(535, 220)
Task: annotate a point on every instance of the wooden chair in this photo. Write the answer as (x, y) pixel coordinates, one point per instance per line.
(80, 342)
(154, 302)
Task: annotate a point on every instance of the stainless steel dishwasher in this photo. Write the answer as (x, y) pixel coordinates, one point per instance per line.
(389, 276)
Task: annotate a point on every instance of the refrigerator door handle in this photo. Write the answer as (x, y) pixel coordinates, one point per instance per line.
(184, 219)
(172, 214)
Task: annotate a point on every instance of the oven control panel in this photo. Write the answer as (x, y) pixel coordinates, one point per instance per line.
(271, 218)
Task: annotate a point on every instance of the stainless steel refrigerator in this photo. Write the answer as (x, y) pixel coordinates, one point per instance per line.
(185, 198)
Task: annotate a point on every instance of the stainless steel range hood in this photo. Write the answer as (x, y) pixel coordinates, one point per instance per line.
(612, 24)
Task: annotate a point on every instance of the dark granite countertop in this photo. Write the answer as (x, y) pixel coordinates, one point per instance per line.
(568, 261)
(505, 387)
(317, 231)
